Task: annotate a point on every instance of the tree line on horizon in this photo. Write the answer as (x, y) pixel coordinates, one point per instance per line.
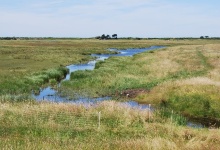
(106, 37)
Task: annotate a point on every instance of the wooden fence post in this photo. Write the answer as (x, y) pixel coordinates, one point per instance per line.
(149, 112)
(99, 120)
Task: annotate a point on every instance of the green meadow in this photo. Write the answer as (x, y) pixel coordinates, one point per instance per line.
(182, 78)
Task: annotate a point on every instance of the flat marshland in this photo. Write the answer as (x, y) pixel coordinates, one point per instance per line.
(183, 77)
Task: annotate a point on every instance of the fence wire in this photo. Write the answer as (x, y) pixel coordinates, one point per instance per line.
(68, 120)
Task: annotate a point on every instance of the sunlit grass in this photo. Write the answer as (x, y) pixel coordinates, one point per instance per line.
(22, 58)
(184, 77)
(160, 72)
(144, 70)
(32, 125)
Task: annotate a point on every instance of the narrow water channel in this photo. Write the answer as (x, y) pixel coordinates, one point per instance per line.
(50, 94)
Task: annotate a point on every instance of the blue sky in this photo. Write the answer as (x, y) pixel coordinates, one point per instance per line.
(127, 18)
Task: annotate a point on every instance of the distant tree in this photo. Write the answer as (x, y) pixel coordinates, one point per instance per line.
(115, 36)
(206, 37)
(103, 37)
(108, 37)
(97, 37)
(201, 37)
(8, 38)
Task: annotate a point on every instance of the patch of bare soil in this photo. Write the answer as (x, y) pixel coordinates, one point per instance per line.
(131, 93)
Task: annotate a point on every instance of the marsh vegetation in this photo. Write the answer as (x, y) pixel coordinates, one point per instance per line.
(183, 77)
(32, 125)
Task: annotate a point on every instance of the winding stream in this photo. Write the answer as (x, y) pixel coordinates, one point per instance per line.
(52, 95)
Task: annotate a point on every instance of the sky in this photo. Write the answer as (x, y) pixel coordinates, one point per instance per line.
(127, 18)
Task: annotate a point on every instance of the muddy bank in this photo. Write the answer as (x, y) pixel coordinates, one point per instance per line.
(131, 93)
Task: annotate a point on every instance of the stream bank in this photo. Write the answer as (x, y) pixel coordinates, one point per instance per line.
(53, 95)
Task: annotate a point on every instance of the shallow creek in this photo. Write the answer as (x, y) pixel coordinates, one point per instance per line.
(52, 95)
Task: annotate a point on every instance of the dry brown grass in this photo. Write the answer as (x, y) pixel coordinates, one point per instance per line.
(154, 135)
(176, 58)
(162, 65)
(212, 52)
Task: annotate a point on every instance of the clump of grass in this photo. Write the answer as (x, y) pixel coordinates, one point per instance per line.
(80, 74)
(53, 82)
(174, 117)
(17, 91)
(187, 104)
(99, 64)
(43, 77)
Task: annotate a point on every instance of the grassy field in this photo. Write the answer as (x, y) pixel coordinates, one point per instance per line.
(21, 60)
(33, 125)
(183, 77)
